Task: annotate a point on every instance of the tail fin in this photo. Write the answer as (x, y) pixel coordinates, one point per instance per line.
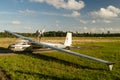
(68, 40)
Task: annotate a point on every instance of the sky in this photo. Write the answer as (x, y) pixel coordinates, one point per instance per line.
(95, 16)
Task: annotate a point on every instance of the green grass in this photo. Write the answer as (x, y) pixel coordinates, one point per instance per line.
(56, 65)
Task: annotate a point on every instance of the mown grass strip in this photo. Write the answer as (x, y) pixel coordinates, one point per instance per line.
(55, 65)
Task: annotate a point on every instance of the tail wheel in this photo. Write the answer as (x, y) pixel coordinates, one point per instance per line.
(68, 47)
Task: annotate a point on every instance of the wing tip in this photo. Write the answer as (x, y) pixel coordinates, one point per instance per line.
(110, 65)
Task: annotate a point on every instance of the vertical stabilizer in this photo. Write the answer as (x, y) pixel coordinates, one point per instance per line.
(68, 40)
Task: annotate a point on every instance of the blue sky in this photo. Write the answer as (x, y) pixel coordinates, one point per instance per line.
(94, 16)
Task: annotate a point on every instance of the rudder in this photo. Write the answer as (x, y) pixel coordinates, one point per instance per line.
(68, 39)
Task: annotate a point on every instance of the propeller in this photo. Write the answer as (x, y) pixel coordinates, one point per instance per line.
(39, 34)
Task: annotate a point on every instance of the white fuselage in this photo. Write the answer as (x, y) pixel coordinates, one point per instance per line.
(22, 45)
(60, 45)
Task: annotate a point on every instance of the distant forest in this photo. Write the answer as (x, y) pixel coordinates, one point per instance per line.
(63, 34)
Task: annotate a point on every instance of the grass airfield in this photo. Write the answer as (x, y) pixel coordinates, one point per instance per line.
(54, 65)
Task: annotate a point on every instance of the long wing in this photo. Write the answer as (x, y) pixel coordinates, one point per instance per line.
(110, 64)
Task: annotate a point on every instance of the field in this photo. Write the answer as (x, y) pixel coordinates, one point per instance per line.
(54, 65)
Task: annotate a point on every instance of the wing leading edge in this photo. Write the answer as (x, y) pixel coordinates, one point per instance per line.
(110, 64)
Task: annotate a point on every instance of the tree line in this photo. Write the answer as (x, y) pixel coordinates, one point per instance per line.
(63, 34)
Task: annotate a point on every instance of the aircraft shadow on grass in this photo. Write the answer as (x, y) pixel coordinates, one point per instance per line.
(67, 63)
(49, 58)
(40, 75)
(4, 50)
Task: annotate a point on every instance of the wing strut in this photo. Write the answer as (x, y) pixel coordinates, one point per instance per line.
(110, 64)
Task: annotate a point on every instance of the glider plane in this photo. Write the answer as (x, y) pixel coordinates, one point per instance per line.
(54, 47)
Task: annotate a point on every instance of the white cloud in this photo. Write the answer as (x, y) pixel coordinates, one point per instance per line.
(93, 21)
(109, 12)
(107, 21)
(27, 28)
(16, 22)
(74, 14)
(50, 13)
(26, 11)
(83, 21)
(85, 28)
(109, 29)
(65, 4)
(101, 21)
(72, 5)
(101, 30)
